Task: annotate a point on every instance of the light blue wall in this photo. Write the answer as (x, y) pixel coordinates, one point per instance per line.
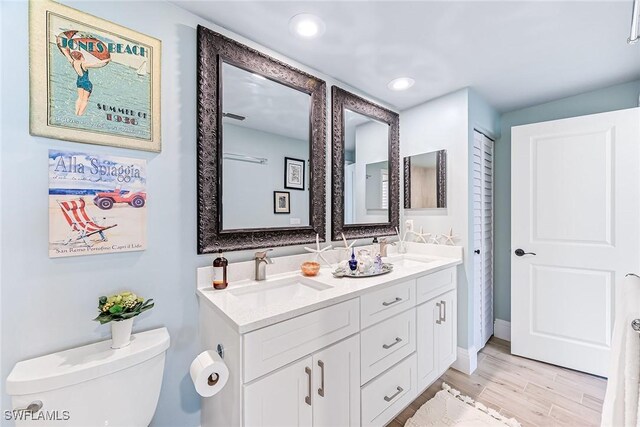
(608, 99)
(48, 304)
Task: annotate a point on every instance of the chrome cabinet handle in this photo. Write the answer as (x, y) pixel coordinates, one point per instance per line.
(33, 407)
(386, 304)
(439, 321)
(388, 346)
(390, 398)
(307, 399)
(444, 309)
(632, 274)
(321, 389)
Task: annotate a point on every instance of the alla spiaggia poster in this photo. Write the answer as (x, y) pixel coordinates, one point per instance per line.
(97, 204)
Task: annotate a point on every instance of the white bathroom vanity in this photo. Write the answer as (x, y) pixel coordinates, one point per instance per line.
(324, 351)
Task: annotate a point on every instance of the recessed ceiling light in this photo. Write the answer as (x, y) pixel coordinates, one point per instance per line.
(401, 83)
(306, 25)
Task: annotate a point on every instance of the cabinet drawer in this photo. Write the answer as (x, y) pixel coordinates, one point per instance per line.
(434, 284)
(388, 394)
(387, 343)
(274, 346)
(387, 302)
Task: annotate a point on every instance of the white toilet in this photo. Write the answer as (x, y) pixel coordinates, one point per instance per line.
(92, 385)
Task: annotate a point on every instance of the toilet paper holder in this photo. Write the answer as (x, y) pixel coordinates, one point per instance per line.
(213, 380)
(220, 350)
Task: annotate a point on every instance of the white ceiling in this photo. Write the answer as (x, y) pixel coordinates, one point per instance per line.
(266, 105)
(514, 53)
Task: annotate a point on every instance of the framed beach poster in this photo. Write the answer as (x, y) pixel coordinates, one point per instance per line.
(293, 173)
(97, 204)
(91, 80)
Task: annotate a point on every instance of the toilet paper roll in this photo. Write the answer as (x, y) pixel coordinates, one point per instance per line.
(209, 373)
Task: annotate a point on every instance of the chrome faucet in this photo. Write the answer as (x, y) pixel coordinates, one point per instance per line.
(262, 260)
(383, 246)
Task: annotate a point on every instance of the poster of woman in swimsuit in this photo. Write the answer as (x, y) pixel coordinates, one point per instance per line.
(92, 81)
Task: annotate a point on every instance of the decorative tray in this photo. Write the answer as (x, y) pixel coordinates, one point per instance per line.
(342, 272)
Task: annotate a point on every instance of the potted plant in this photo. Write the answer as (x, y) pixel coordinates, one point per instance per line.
(120, 309)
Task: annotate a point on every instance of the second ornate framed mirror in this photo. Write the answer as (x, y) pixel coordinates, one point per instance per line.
(365, 167)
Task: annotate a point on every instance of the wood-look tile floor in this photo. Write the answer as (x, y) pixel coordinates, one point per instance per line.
(535, 393)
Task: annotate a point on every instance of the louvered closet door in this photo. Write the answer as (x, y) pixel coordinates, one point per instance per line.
(483, 235)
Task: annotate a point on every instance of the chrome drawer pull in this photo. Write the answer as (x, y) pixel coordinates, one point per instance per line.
(388, 346)
(307, 398)
(386, 304)
(439, 321)
(390, 398)
(321, 389)
(444, 306)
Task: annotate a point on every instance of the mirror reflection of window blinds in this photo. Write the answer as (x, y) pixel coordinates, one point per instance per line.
(384, 188)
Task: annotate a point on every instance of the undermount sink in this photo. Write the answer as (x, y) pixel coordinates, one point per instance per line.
(408, 261)
(278, 291)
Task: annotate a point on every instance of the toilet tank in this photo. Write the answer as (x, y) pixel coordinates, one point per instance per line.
(93, 385)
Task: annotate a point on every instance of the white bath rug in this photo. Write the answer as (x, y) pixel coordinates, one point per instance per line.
(450, 408)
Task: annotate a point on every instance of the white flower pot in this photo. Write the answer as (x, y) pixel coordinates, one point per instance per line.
(121, 333)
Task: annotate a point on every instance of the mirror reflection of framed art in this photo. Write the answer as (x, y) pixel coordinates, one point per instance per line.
(281, 202)
(293, 173)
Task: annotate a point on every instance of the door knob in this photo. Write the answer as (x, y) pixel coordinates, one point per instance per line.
(477, 251)
(520, 252)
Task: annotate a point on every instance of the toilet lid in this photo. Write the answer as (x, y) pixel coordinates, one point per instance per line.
(85, 363)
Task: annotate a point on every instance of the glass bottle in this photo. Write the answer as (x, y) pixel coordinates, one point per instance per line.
(353, 263)
(220, 271)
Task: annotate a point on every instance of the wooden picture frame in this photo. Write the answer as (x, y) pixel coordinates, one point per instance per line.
(67, 50)
(294, 173)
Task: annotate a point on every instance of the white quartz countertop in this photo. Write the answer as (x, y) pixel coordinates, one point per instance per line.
(323, 290)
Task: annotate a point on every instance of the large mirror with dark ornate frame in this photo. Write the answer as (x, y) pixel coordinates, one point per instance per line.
(365, 168)
(261, 149)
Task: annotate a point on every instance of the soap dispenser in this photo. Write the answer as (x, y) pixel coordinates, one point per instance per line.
(220, 265)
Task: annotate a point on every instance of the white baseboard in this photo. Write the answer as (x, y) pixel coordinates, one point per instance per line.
(502, 329)
(467, 360)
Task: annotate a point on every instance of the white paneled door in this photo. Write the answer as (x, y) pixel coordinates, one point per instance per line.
(574, 234)
(483, 235)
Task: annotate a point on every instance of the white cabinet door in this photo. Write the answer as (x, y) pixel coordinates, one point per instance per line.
(446, 330)
(574, 234)
(427, 314)
(281, 399)
(437, 337)
(336, 385)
